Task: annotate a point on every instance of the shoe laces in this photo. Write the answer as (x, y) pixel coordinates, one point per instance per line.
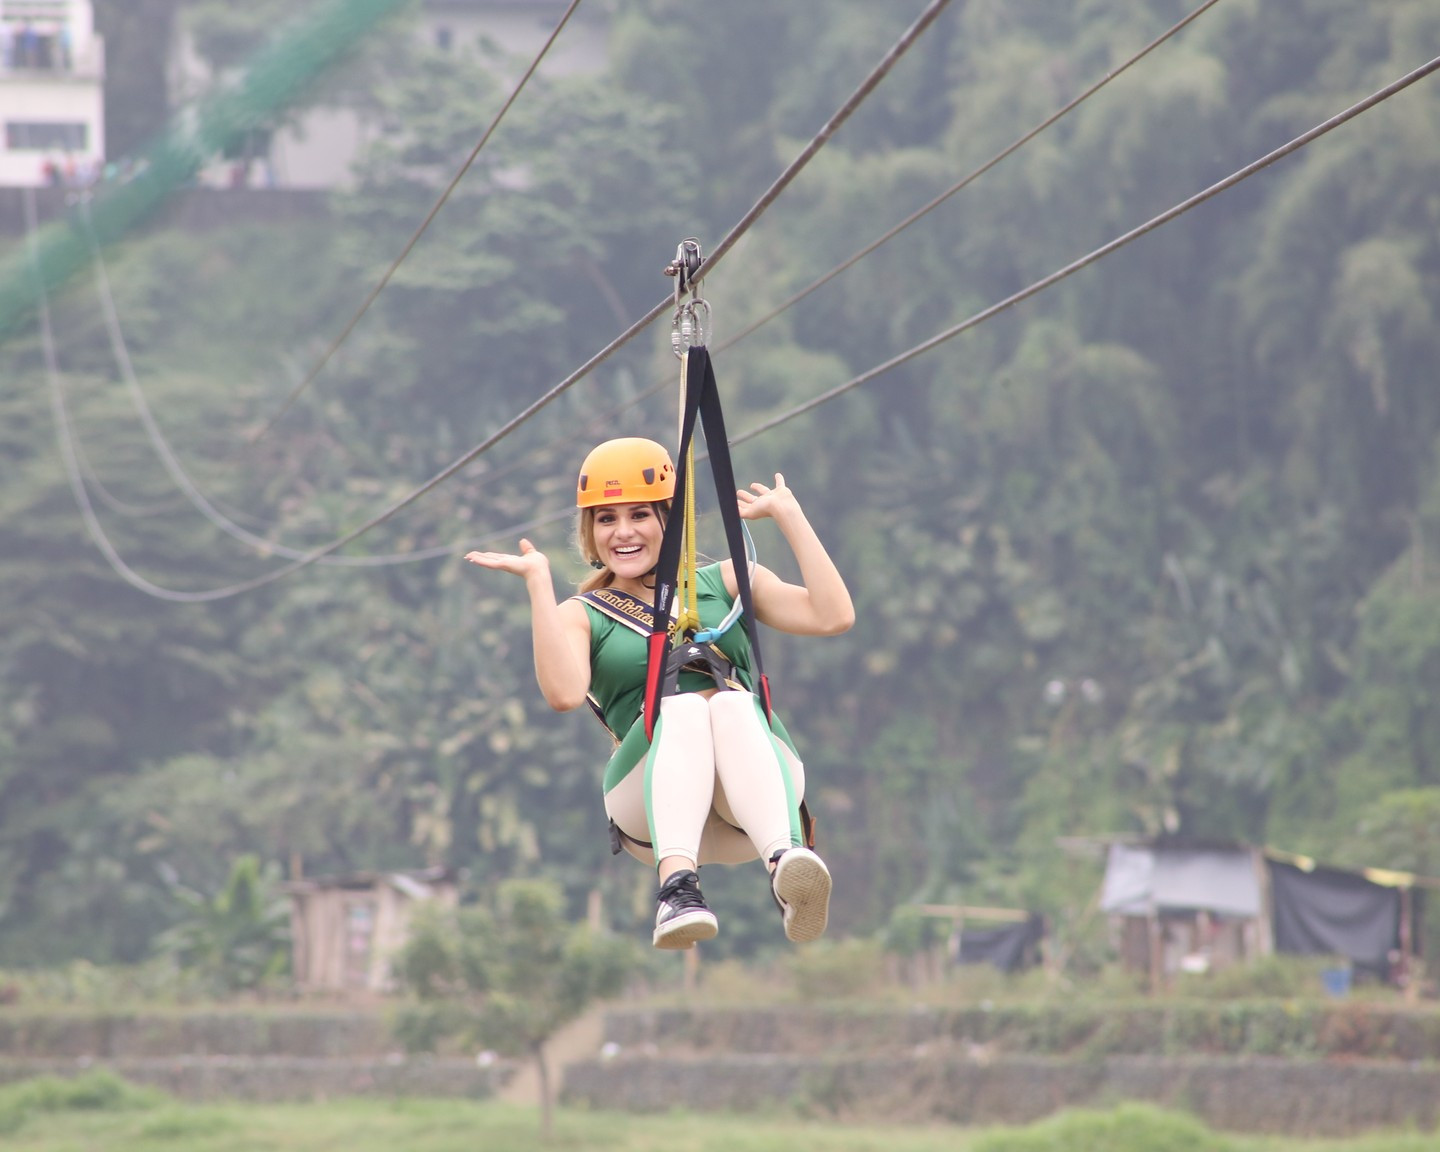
(682, 891)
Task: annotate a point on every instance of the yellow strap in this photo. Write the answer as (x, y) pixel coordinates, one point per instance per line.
(688, 618)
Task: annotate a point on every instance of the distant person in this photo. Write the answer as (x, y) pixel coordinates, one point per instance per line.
(717, 784)
(27, 47)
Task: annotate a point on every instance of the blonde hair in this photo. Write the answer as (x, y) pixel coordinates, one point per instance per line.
(585, 544)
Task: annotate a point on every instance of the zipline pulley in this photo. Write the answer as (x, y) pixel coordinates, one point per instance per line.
(690, 327)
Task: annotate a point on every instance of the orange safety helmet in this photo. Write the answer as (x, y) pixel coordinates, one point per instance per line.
(631, 470)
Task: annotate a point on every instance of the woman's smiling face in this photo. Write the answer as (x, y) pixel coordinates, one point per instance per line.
(627, 538)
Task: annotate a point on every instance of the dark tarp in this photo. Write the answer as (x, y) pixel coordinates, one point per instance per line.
(1330, 913)
(1010, 948)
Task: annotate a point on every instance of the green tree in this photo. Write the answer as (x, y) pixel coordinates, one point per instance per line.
(1400, 830)
(509, 976)
(238, 939)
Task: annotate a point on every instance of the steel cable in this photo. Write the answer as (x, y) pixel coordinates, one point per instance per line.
(1099, 253)
(926, 18)
(914, 217)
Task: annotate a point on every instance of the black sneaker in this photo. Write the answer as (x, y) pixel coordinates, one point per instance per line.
(801, 886)
(681, 917)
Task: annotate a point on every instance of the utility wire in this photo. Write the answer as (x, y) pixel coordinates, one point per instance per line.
(62, 421)
(420, 231)
(72, 461)
(116, 504)
(878, 73)
(182, 480)
(1099, 253)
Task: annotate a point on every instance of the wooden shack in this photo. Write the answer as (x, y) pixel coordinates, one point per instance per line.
(1194, 907)
(1186, 908)
(345, 930)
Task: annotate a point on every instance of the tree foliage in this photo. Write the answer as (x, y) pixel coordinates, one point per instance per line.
(508, 976)
(1194, 487)
(237, 940)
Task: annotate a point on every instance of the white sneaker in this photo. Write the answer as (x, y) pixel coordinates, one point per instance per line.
(801, 885)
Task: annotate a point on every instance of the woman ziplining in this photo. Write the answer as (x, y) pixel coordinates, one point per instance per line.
(701, 775)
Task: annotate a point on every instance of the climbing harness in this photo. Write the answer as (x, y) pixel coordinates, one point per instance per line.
(635, 614)
(676, 638)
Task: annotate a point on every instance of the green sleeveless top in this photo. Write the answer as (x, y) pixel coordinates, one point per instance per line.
(618, 654)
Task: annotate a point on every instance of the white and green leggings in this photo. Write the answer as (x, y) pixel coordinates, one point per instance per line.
(716, 786)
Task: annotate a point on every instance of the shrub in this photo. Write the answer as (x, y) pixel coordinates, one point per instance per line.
(98, 1091)
(1265, 977)
(1129, 1128)
(80, 984)
(238, 939)
(832, 969)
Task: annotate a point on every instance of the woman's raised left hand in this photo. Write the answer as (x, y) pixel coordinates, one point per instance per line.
(761, 500)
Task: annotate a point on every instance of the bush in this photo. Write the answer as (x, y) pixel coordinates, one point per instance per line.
(81, 984)
(831, 970)
(93, 1092)
(1129, 1128)
(1266, 977)
(238, 939)
(422, 1027)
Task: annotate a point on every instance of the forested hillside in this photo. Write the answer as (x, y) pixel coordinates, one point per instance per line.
(1148, 553)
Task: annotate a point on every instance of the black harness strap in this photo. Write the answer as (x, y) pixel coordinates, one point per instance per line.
(632, 612)
(702, 401)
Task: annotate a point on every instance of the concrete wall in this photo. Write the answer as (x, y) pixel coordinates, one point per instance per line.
(261, 1056)
(1252, 1095)
(1315, 1029)
(131, 1036)
(275, 1078)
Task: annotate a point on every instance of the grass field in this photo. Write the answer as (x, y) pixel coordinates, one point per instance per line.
(98, 1113)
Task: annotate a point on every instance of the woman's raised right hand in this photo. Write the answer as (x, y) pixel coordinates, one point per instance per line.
(530, 560)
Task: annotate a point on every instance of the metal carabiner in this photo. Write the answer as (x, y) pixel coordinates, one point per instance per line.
(691, 326)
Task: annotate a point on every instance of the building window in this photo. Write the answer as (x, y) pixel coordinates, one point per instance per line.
(29, 136)
(22, 46)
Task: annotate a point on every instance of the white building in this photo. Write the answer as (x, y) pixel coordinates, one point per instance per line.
(52, 107)
(318, 148)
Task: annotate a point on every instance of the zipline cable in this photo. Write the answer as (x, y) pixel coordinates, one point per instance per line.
(915, 216)
(420, 231)
(1099, 253)
(966, 181)
(821, 138)
(878, 73)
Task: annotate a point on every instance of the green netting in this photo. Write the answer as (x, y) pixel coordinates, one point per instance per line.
(278, 77)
